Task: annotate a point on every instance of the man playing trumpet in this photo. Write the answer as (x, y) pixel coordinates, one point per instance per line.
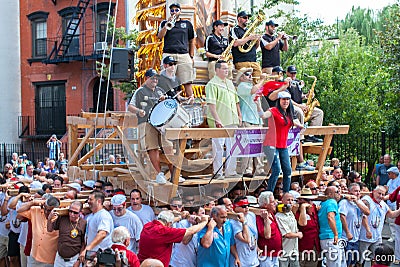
(271, 47)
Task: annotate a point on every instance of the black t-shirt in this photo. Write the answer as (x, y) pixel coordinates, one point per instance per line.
(270, 58)
(215, 45)
(176, 40)
(170, 86)
(145, 98)
(295, 91)
(237, 33)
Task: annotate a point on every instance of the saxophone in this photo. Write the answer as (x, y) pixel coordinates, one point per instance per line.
(252, 28)
(311, 103)
(227, 54)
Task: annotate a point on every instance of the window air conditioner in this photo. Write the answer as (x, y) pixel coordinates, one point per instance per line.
(100, 46)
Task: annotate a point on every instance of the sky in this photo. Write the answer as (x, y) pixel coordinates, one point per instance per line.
(329, 10)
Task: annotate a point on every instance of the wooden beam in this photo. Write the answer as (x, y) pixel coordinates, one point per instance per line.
(322, 156)
(72, 142)
(200, 133)
(93, 150)
(315, 149)
(73, 159)
(109, 140)
(100, 167)
(324, 130)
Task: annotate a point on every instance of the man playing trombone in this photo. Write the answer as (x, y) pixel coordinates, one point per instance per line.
(271, 47)
(179, 42)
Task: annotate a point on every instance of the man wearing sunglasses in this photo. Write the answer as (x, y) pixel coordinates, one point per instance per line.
(179, 42)
(249, 59)
(271, 47)
(71, 239)
(123, 217)
(168, 80)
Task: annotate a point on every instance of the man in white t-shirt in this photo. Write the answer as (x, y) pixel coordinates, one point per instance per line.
(392, 184)
(123, 217)
(99, 225)
(144, 212)
(371, 232)
(351, 212)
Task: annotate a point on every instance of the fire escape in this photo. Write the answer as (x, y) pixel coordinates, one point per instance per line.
(60, 51)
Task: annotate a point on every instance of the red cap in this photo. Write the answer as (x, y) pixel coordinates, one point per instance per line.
(242, 202)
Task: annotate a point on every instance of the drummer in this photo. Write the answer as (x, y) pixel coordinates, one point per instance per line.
(168, 81)
(145, 97)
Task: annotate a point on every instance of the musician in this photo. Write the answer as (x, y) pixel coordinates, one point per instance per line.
(224, 111)
(144, 99)
(271, 47)
(250, 118)
(300, 108)
(217, 240)
(167, 79)
(351, 211)
(180, 42)
(71, 240)
(269, 236)
(158, 237)
(245, 234)
(249, 59)
(330, 228)
(215, 45)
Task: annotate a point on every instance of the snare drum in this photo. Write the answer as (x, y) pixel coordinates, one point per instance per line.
(168, 114)
(196, 114)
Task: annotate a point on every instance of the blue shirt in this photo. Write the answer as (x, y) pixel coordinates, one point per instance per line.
(248, 107)
(325, 231)
(218, 253)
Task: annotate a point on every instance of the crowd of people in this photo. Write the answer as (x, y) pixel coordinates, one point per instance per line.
(337, 222)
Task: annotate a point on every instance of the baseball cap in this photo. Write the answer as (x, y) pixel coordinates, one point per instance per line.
(243, 14)
(394, 170)
(271, 23)
(277, 69)
(291, 69)
(89, 183)
(118, 200)
(169, 59)
(75, 186)
(219, 22)
(284, 94)
(175, 4)
(150, 73)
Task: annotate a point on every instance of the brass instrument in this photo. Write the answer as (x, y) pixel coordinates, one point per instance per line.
(250, 30)
(227, 54)
(293, 37)
(311, 101)
(170, 24)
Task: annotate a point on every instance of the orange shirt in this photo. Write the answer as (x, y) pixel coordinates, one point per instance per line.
(44, 244)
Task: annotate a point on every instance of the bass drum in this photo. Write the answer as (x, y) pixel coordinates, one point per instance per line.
(168, 114)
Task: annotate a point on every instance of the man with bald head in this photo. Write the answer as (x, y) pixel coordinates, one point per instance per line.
(330, 228)
(151, 263)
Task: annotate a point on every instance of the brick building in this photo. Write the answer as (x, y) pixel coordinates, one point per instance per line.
(60, 43)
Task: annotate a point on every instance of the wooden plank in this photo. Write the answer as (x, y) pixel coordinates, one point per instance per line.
(202, 133)
(178, 166)
(74, 157)
(109, 140)
(75, 120)
(72, 142)
(325, 130)
(322, 156)
(92, 114)
(315, 150)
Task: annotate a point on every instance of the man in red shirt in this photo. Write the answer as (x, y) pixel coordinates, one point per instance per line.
(269, 236)
(158, 236)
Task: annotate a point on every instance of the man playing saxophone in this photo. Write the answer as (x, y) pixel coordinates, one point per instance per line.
(271, 47)
(215, 45)
(300, 108)
(247, 59)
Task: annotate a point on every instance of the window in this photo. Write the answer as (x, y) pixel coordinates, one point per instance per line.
(67, 14)
(39, 33)
(50, 108)
(101, 20)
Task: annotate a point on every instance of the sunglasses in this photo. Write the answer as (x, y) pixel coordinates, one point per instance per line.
(247, 74)
(244, 206)
(314, 188)
(172, 63)
(119, 209)
(109, 191)
(172, 10)
(176, 206)
(245, 17)
(98, 186)
(73, 212)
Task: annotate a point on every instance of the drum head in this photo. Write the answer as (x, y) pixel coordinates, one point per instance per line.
(163, 112)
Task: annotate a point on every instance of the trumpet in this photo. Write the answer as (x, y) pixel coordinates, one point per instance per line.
(287, 36)
(170, 24)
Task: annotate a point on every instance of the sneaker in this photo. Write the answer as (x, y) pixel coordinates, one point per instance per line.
(391, 240)
(181, 179)
(233, 175)
(301, 166)
(219, 176)
(160, 178)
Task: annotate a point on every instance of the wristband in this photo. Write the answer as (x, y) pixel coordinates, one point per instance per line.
(245, 222)
(260, 113)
